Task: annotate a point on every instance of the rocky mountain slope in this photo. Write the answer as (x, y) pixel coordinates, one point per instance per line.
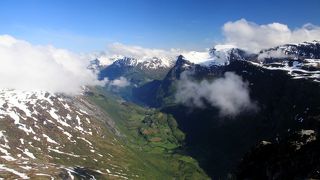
(287, 98)
(45, 135)
(299, 60)
(296, 157)
(136, 70)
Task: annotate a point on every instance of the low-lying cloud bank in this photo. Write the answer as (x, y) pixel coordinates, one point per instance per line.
(28, 67)
(254, 37)
(121, 82)
(230, 94)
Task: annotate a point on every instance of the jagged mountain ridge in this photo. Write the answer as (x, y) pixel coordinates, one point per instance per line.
(305, 50)
(136, 71)
(288, 102)
(146, 69)
(223, 56)
(285, 68)
(299, 60)
(285, 104)
(150, 63)
(296, 67)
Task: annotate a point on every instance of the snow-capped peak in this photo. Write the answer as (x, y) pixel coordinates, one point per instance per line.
(309, 50)
(154, 63)
(219, 55)
(147, 63)
(197, 57)
(300, 60)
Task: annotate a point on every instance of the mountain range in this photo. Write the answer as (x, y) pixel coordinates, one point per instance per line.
(141, 131)
(284, 81)
(297, 59)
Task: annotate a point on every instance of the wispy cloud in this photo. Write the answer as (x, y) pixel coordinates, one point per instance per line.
(230, 94)
(120, 82)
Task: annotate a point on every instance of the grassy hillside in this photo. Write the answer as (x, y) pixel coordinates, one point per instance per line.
(151, 137)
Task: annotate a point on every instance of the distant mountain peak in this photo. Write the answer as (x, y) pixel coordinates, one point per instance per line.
(144, 63)
(219, 55)
(95, 65)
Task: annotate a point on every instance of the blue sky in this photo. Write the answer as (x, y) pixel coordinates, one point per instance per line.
(83, 25)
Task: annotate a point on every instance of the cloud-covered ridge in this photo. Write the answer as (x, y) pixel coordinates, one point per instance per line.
(230, 94)
(254, 37)
(29, 67)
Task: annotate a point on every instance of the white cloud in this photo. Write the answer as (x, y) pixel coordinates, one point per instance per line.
(120, 82)
(274, 54)
(140, 52)
(253, 37)
(230, 94)
(30, 67)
